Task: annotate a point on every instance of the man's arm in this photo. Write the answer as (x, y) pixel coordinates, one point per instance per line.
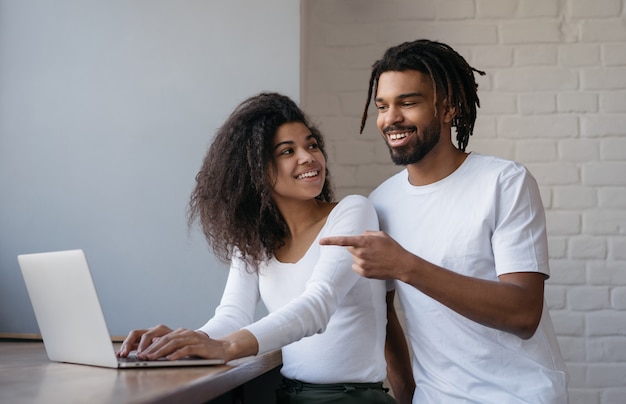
(513, 304)
(399, 372)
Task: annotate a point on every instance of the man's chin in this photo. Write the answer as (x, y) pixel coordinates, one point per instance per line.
(404, 159)
(400, 158)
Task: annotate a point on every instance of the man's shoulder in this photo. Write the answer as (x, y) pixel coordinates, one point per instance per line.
(493, 163)
(490, 168)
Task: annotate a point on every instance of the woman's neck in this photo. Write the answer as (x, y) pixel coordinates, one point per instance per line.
(301, 215)
(304, 220)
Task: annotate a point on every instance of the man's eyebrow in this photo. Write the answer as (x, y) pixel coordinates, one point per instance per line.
(402, 96)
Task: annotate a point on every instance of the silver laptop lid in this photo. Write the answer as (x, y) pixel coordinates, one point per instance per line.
(67, 308)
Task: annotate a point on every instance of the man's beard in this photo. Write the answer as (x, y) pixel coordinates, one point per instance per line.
(414, 152)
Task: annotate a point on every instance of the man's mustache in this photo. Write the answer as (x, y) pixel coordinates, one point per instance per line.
(397, 128)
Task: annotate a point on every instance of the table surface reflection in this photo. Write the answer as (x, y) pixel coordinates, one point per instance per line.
(27, 376)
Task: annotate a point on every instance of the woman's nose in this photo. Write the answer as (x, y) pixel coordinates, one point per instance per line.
(305, 156)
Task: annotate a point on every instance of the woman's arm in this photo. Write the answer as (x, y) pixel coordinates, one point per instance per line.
(236, 310)
(331, 280)
(180, 343)
(305, 315)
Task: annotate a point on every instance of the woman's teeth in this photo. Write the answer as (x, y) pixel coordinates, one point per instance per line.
(308, 175)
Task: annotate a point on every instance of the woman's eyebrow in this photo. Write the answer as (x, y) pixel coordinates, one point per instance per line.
(290, 142)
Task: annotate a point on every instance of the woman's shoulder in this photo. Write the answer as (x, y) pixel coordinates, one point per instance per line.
(354, 201)
(354, 208)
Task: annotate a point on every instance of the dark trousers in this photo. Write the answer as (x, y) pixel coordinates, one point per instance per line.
(296, 392)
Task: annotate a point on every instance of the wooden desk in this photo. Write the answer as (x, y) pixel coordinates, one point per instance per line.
(27, 376)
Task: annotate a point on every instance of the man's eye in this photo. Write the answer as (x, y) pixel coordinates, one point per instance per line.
(381, 107)
(408, 104)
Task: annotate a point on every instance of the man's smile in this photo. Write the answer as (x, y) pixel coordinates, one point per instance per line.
(398, 136)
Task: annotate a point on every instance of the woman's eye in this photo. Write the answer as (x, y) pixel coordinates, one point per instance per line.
(286, 152)
(314, 146)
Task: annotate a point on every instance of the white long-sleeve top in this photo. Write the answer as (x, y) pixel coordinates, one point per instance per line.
(329, 321)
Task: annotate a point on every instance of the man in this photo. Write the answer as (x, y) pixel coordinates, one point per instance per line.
(463, 236)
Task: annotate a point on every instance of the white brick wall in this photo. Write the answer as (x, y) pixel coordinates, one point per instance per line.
(554, 98)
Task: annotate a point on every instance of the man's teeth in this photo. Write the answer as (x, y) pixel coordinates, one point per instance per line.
(396, 136)
(308, 175)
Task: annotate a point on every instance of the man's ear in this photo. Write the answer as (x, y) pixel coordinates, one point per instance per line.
(449, 111)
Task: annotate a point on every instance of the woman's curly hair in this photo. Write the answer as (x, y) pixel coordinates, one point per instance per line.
(232, 198)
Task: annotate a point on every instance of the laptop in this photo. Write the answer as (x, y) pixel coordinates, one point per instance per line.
(69, 315)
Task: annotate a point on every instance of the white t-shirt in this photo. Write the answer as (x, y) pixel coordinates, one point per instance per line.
(342, 315)
(483, 220)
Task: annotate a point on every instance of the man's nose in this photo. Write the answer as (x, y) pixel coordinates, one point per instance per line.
(392, 116)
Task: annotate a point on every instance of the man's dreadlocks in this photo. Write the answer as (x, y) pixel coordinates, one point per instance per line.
(452, 77)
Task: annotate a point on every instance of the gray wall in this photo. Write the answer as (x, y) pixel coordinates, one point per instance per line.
(106, 110)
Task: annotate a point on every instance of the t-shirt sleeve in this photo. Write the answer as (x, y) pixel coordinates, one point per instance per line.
(331, 280)
(519, 240)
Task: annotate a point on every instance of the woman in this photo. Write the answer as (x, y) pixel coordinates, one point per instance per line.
(263, 200)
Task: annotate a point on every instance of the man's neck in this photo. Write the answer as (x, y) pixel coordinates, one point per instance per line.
(437, 165)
